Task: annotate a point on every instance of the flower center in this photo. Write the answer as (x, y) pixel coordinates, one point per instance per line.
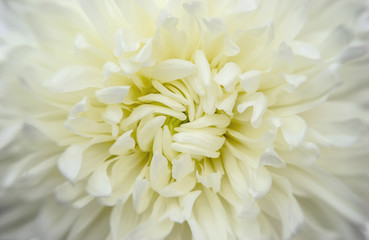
(170, 116)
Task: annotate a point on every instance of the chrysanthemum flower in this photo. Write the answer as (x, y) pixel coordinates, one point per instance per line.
(179, 119)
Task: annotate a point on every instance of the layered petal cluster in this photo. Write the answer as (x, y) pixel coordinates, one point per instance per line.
(178, 119)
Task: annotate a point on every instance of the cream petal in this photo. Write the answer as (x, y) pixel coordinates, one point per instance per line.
(111, 95)
(123, 143)
(159, 172)
(187, 201)
(144, 55)
(228, 103)
(212, 180)
(250, 211)
(75, 78)
(182, 166)
(294, 130)
(228, 76)
(168, 152)
(176, 209)
(163, 90)
(341, 134)
(271, 158)
(92, 222)
(217, 120)
(81, 106)
(209, 219)
(317, 183)
(172, 69)
(126, 40)
(54, 221)
(151, 230)
(203, 68)
(305, 49)
(112, 114)
(109, 68)
(86, 50)
(99, 184)
(147, 131)
(93, 157)
(236, 173)
(303, 155)
(9, 133)
(292, 21)
(103, 16)
(259, 181)
(70, 160)
(259, 102)
(157, 145)
(73, 194)
(167, 208)
(139, 15)
(195, 150)
(285, 60)
(250, 81)
(294, 80)
(86, 127)
(206, 130)
(137, 114)
(179, 187)
(354, 51)
(336, 41)
(128, 67)
(203, 140)
(280, 203)
(164, 100)
(230, 48)
(142, 194)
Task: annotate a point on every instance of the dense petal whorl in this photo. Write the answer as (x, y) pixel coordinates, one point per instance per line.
(160, 119)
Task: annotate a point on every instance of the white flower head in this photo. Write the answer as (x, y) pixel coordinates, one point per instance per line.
(176, 119)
